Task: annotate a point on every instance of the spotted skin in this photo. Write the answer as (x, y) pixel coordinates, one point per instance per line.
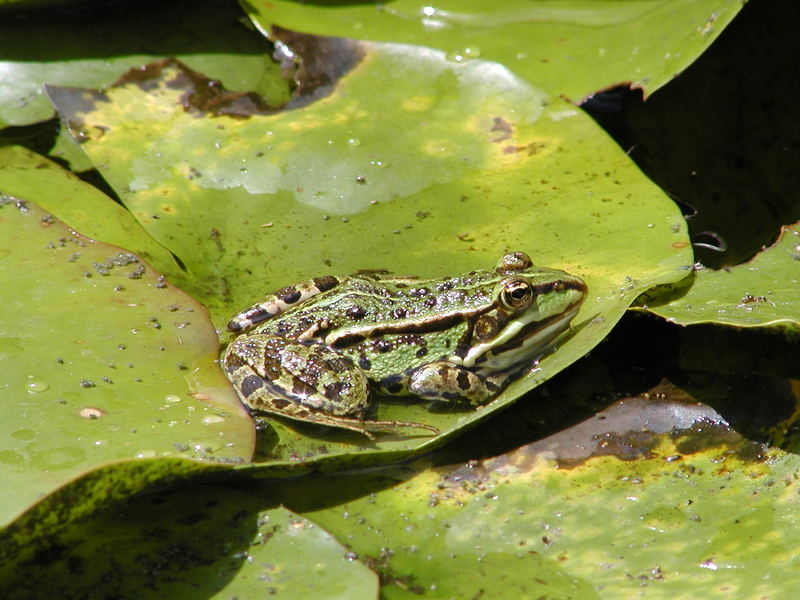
(293, 389)
(280, 302)
(317, 351)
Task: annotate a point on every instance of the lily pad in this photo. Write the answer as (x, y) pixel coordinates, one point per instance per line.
(760, 293)
(102, 361)
(91, 48)
(259, 200)
(25, 174)
(215, 542)
(695, 511)
(570, 48)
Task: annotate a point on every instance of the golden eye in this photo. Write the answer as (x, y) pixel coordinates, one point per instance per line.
(516, 294)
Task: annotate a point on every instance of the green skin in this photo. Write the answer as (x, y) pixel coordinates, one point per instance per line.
(314, 351)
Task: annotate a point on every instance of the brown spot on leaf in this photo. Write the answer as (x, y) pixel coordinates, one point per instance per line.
(200, 94)
(315, 62)
(503, 127)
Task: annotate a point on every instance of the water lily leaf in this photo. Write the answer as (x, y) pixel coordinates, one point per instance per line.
(758, 293)
(91, 48)
(25, 174)
(570, 48)
(215, 542)
(696, 511)
(102, 360)
(473, 162)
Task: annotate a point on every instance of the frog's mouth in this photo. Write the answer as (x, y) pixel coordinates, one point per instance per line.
(529, 342)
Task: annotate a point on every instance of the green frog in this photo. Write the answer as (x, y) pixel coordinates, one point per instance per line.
(315, 351)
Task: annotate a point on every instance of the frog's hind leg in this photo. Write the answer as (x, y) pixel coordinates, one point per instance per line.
(279, 302)
(305, 382)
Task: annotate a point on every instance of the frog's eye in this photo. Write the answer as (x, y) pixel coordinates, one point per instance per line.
(516, 294)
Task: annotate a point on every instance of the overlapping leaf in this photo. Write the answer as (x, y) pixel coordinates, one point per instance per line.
(83, 207)
(216, 542)
(103, 361)
(91, 48)
(571, 48)
(761, 292)
(665, 502)
(476, 162)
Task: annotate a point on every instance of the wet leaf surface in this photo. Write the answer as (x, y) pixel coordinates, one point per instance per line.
(83, 207)
(193, 542)
(571, 49)
(325, 188)
(102, 361)
(91, 48)
(666, 500)
(760, 293)
(426, 160)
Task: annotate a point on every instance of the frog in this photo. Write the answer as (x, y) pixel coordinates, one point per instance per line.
(320, 350)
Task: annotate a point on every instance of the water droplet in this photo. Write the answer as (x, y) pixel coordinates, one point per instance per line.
(212, 419)
(89, 412)
(207, 446)
(709, 564)
(37, 386)
(146, 454)
(24, 434)
(463, 54)
(172, 398)
(379, 163)
(354, 142)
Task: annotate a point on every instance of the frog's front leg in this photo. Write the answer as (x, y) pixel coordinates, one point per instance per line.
(302, 381)
(449, 382)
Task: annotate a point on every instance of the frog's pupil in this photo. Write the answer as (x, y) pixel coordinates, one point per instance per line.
(519, 293)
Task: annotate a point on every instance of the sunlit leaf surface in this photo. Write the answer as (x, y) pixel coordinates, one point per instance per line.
(102, 360)
(83, 207)
(762, 292)
(92, 48)
(662, 501)
(572, 48)
(474, 162)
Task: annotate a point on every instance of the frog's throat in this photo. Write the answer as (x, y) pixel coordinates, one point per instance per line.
(519, 341)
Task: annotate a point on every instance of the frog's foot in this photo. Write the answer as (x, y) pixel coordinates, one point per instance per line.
(367, 426)
(447, 382)
(362, 426)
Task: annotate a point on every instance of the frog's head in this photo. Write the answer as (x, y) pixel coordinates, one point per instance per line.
(531, 307)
